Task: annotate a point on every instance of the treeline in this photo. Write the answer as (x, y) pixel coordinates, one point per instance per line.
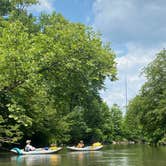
(51, 71)
(145, 119)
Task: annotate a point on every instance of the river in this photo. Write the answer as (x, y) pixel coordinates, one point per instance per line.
(114, 155)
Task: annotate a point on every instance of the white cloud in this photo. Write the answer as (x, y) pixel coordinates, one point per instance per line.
(43, 6)
(136, 57)
(129, 68)
(137, 31)
(131, 20)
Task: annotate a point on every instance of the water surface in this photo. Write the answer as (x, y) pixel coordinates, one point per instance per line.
(115, 155)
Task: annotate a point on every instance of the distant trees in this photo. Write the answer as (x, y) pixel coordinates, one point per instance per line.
(132, 125)
(116, 120)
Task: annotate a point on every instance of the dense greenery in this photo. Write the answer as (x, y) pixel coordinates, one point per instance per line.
(146, 116)
(51, 74)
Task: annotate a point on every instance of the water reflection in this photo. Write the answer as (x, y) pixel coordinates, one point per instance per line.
(38, 160)
(92, 158)
(135, 155)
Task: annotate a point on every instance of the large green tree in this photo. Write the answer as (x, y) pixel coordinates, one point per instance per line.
(49, 68)
(149, 106)
(154, 96)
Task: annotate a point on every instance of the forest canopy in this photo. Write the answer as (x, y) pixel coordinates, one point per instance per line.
(51, 74)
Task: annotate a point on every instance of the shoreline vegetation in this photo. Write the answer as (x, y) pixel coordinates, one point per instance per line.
(52, 72)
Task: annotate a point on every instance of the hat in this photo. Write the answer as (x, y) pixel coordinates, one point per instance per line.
(28, 141)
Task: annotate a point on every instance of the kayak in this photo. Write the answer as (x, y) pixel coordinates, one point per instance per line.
(35, 152)
(87, 148)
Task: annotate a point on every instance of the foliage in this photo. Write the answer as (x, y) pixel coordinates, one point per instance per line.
(132, 126)
(117, 122)
(154, 95)
(8, 6)
(149, 106)
(51, 74)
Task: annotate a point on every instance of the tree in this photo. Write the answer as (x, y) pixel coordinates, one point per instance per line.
(149, 106)
(117, 121)
(132, 125)
(8, 6)
(5, 7)
(49, 72)
(154, 95)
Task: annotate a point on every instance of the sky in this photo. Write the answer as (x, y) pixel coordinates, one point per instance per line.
(136, 30)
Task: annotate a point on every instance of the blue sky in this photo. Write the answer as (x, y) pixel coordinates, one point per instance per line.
(135, 28)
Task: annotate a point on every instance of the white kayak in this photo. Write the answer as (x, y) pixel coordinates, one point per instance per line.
(87, 148)
(35, 152)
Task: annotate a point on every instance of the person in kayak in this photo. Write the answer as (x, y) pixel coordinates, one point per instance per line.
(80, 144)
(29, 147)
